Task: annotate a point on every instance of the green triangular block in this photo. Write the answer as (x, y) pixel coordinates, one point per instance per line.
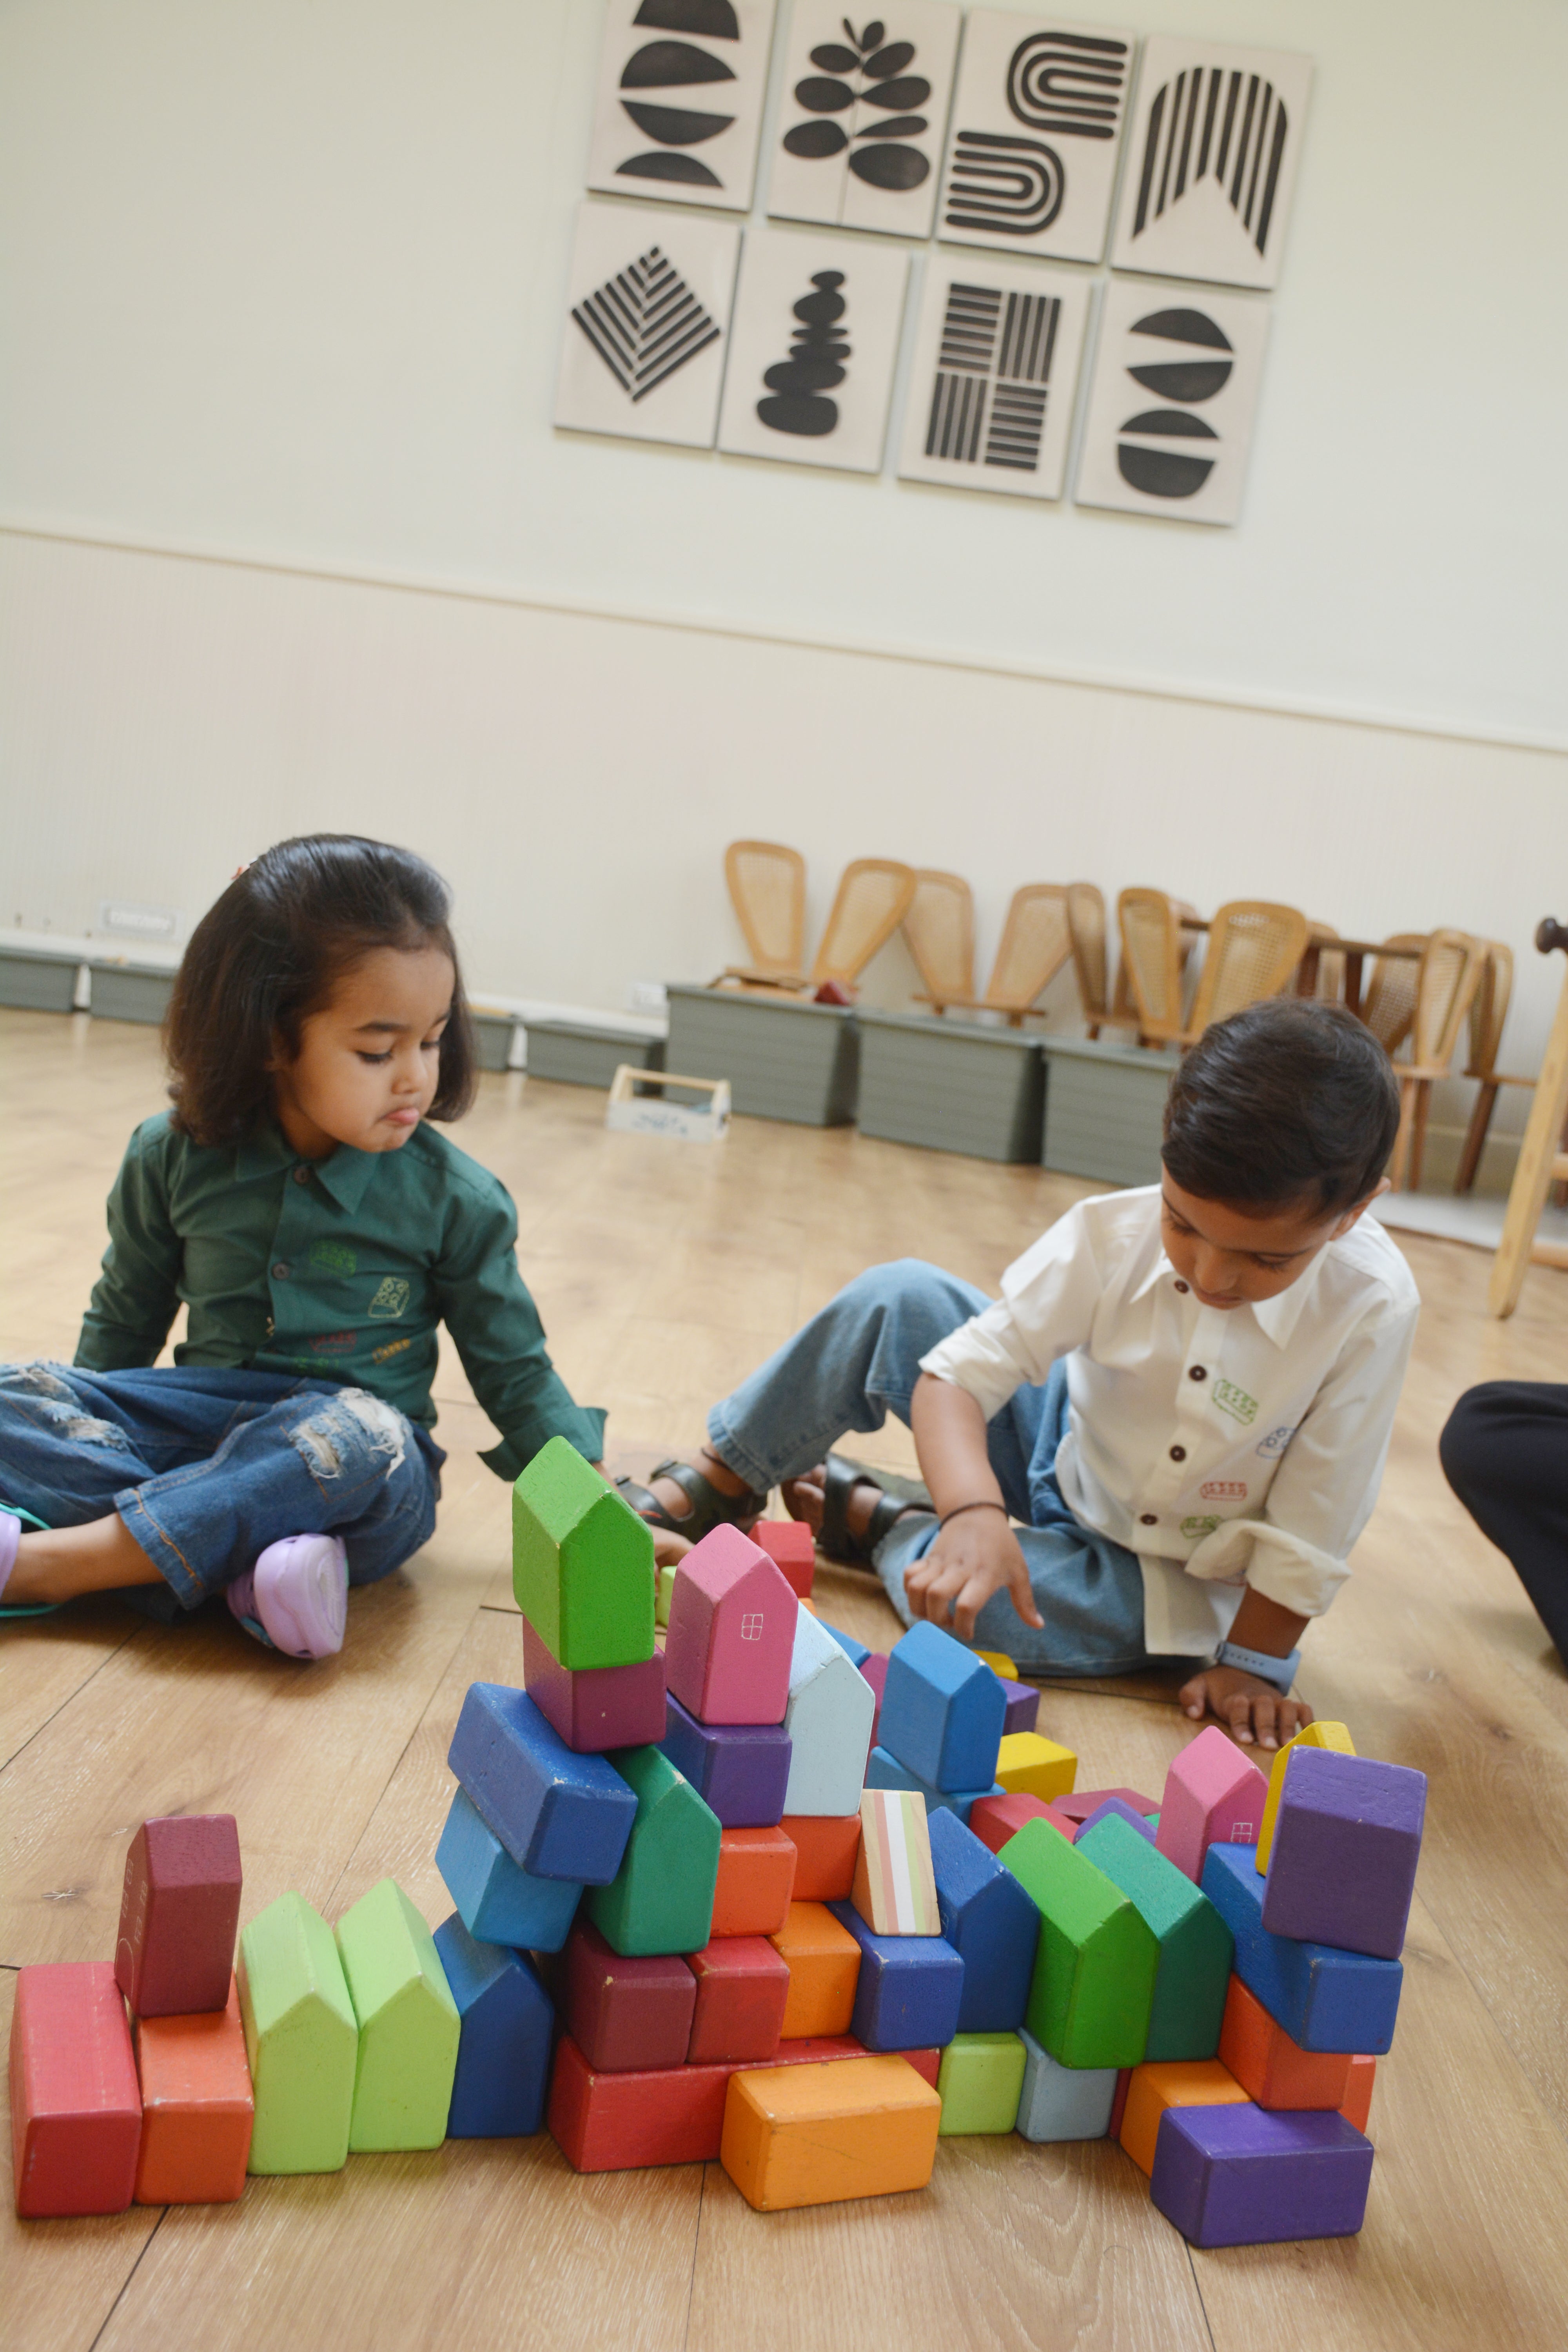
(1096, 1960)
(301, 2039)
(581, 1563)
(662, 1899)
(408, 2024)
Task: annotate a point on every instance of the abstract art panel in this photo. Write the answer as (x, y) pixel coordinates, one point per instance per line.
(996, 364)
(647, 313)
(865, 107)
(1036, 128)
(1212, 167)
(812, 350)
(679, 101)
(1171, 401)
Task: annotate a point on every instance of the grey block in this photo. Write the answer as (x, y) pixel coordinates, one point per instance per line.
(37, 980)
(1063, 2102)
(1104, 1107)
(576, 1053)
(783, 1059)
(493, 1033)
(122, 992)
(951, 1085)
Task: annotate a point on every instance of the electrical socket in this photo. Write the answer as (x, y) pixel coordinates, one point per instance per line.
(646, 996)
(129, 921)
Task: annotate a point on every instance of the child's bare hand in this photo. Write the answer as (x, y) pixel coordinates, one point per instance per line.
(973, 1557)
(1252, 1710)
(668, 1548)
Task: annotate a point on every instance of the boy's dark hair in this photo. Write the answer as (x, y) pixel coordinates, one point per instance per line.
(1288, 1101)
(270, 951)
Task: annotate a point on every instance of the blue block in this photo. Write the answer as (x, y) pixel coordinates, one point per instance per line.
(1063, 2102)
(885, 1771)
(1326, 1999)
(558, 1814)
(942, 1711)
(503, 2046)
(909, 1990)
(855, 1652)
(990, 1924)
(1117, 1808)
(741, 1771)
(499, 1902)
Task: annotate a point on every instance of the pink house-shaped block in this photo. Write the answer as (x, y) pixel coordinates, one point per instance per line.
(1214, 1796)
(731, 1632)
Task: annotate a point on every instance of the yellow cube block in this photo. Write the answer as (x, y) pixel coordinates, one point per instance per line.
(812, 2134)
(1030, 1765)
(1312, 1734)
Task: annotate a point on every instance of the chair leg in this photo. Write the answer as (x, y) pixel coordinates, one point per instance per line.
(1093, 1030)
(1423, 1093)
(1400, 1159)
(1476, 1137)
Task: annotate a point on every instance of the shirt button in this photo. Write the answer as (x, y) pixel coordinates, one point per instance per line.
(1183, 1288)
(1196, 1372)
(279, 1272)
(1178, 1453)
(1149, 1518)
(302, 1175)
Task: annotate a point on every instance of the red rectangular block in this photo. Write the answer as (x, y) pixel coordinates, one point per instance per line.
(76, 2109)
(179, 1912)
(994, 1819)
(741, 1988)
(626, 2015)
(1081, 1802)
(790, 1546)
(1271, 2067)
(196, 2108)
(756, 1882)
(926, 2063)
(1119, 2102)
(826, 1849)
(598, 1708)
(614, 2123)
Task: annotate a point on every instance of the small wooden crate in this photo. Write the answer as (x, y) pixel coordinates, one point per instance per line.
(578, 1054)
(640, 1104)
(38, 979)
(951, 1085)
(1105, 1104)
(783, 1059)
(128, 992)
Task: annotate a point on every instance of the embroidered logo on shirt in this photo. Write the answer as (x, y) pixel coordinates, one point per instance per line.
(1222, 1490)
(334, 1257)
(1197, 1527)
(1236, 1402)
(1275, 1442)
(333, 1343)
(393, 1348)
(394, 1296)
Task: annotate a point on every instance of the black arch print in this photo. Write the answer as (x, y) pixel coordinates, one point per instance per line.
(1067, 83)
(677, 65)
(1005, 184)
(819, 346)
(869, 72)
(1162, 471)
(1213, 118)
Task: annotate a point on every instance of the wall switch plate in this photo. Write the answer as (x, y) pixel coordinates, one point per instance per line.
(129, 921)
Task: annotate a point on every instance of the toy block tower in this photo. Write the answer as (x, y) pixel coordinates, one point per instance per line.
(408, 2024)
(1195, 1945)
(1214, 1796)
(76, 2109)
(1096, 1962)
(582, 1563)
(179, 1912)
(731, 1632)
(301, 2039)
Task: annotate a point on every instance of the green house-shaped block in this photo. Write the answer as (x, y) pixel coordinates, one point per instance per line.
(1196, 1947)
(1096, 1960)
(662, 1899)
(408, 2023)
(301, 2039)
(981, 2081)
(582, 1563)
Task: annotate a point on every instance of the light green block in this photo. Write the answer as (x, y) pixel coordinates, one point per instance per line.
(301, 2039)
(408, 2023)
(662, 1899)
(979, 2083)
(1096, 1960)
(581, 1563)
(1196, 1947)
(664, 1596)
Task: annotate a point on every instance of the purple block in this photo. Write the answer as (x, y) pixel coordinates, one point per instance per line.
(598, 1708)
(1347, 1838)
(740, 1770)
(1245, 2176)
(874, 1669)
(1115, 1809)
(1023, 1708)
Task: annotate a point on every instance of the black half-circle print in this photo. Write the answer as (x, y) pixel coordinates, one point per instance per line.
(670, 64)
(666, 166)
(816, 140)
(714, 19)
(1185, 327)
(1161, 473)
(1175, 424)
(897, 169)
(1184, 379)
(677, 126)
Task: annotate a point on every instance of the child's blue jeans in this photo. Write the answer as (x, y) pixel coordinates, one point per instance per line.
(206, 1467)
(858, 1361)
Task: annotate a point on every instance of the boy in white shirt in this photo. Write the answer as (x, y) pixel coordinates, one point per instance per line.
(1165, 1436)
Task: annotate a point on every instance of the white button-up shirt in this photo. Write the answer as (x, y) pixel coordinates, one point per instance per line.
(1226, 1447)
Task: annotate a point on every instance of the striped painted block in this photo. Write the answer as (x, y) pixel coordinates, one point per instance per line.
(894, 1891)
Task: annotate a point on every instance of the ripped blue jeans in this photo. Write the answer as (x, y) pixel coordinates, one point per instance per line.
(208, 1466)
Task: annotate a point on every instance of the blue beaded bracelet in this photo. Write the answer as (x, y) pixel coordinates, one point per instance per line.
(1281, 1671)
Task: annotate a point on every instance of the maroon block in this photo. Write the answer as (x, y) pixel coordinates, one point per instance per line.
(76, 2104)
(599, 1707)
(1079, 1804)
(606, 2122)
(626, 2015)
(741, 1988)
(1119, 2102)
(791, 1546)
(179, 1912)
(874, 1669)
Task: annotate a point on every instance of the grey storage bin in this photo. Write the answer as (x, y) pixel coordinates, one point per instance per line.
(952, 1086)
(1104, 1106)
(783, 1059)
(38, 979)
(578, 1054)
(124, 991)
(493, 1033)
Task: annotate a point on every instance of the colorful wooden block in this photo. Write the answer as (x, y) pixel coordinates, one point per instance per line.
(598, 1708)
(910, 1988)
(885, 1771)
(875, 1670)
(1272, 2069)
(814, 2135)
(179, 1910)
(1096, 1962)
(499, 1902)
(1153, 2089)
(1000, 1663)
(742, 1990)
(408, 2025)
(854, 1649)
(1214, 1796)
(581, 1563)
(991, 1923)
(942, 1711)
(558, 1814)
(662, 1899)
(618, 2122)
(1347, 1838)
(790, 1544)
(1196, 1947)
(981, 2082)
(301, 2039)
(1021, 1708)
(894, 1891)
(198, 2108)
(826, 1847)
(994, 1819)
(1063, 2102)
(1312, 1734)
(731, 1632)
(1325, 1999)
(1076, 1807)
(1242, 2177)
(741, 1771)
(1356, 2104)
(1114, 1809)
(828, 1720)
(1027, 1765)
(625, 2013)
(76, 2109)
(506, 2023)
(926, 2063)
(824, 1963)
(1119, 2103)
(755, 1884)
(664, 1593)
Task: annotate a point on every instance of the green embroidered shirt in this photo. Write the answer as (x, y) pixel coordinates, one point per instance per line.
(340, 1268)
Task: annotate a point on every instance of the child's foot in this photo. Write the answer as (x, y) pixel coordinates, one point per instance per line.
(296, 1597)
(847, 1512)
(693, 1494)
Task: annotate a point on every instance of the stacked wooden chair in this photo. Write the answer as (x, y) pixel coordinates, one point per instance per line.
(1035, 947)
(1254, 949)
(767, 889)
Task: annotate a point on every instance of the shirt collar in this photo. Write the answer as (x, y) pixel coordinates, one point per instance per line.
(343, 1176)
(1276, 1317)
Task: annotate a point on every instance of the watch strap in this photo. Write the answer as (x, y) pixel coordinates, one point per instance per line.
(1281, 1671)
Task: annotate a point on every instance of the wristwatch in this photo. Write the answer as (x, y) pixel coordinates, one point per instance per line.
(1281, 1671)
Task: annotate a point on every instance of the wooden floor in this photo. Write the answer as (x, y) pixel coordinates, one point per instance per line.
(663, 1272)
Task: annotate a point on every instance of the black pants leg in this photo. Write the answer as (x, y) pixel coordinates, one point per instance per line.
(1505, 1455)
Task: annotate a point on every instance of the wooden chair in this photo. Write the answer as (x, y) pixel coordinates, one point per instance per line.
(767, 889)
(1390, 1007)
(940, 929)
(1447, 980)
(1542, 1155)
(1157, 943)
(1254, 949)
(1034, 945)
(1488, 1010)
(873, 897)
(1085, 928)
(1322, 966)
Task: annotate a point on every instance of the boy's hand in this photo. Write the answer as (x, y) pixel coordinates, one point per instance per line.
(973, 1557)
(1251, 1709)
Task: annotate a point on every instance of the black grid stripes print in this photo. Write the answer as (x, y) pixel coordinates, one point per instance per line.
(644, 323)
(996, 355)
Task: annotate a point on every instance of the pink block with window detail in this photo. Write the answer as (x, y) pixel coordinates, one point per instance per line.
(731, 1632)
(1214, 1796)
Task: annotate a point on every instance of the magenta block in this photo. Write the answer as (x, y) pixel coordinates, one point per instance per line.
(1214, 1796)
(599, 1707)
(1347, 1838)
(1023, 1708)
(731, 1632)
(1246, 2176)
(874, 1669)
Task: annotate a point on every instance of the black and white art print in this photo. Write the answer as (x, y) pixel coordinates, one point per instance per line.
(1212, 162)
(865, 107)
(1035, 132)
(1171, 401)
(813, 349)
(648, 314)
(996, 365)
(679, 101)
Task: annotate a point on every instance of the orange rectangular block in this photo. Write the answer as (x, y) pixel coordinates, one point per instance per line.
(1273, 2069)
(1175, 2083)
(1356, 2104)
(196, 2108)
(756, 1882)
(814, 2135)
(824, 1963)
(826, 1849)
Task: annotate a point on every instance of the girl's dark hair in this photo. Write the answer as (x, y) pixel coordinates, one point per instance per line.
(270, 951)
(1288, 1101)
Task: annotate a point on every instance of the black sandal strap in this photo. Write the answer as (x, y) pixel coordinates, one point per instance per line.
(710, 1508)
(841, 1477)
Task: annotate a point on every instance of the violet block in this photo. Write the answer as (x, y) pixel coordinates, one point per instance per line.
(1325, 1999)
(1246, 2176)
(1347, 1838)
(741, 1771)
(874, 1669)
(1022, 1701)
(1115, 1809)
(598, 1708)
